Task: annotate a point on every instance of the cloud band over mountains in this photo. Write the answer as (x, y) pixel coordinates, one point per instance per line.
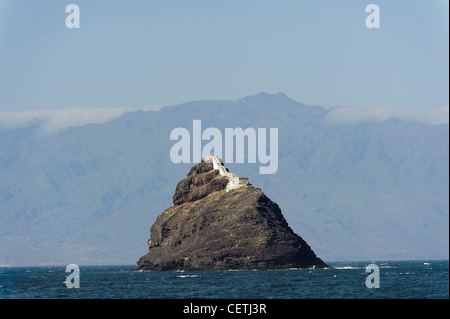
(53, 121)
(354, 114)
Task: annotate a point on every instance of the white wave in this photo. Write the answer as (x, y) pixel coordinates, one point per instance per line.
(187, 276)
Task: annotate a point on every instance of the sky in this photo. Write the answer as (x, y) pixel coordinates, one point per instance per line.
(144, 54)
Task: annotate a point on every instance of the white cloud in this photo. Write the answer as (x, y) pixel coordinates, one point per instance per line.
(353, 114)
(52, 121)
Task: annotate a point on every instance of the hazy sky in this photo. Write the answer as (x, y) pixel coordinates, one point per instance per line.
(146, 53)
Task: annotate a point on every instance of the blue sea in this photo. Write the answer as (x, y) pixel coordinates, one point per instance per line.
(344, 280)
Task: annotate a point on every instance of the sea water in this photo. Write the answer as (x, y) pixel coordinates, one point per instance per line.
(397, 279)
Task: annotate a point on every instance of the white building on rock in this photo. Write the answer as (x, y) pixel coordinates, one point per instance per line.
(233, 180)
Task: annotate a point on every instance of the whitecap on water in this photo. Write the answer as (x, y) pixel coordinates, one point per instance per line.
(187, 276)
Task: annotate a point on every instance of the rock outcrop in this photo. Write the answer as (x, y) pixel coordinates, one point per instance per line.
(209, 228)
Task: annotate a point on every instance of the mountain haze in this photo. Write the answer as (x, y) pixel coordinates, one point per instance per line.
(360, 191)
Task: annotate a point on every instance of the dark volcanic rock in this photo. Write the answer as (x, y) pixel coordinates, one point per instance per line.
(211, 229)
(201, 181)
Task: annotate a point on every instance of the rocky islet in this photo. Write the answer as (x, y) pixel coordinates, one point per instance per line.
(211, 228)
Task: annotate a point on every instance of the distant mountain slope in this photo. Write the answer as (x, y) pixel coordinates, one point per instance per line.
(87, 195)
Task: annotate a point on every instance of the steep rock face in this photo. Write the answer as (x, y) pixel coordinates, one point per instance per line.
(211, 229)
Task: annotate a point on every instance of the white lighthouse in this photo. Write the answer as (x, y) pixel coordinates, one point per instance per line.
(233, 180)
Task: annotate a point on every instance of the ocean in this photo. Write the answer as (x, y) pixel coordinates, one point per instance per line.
(344, 280)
